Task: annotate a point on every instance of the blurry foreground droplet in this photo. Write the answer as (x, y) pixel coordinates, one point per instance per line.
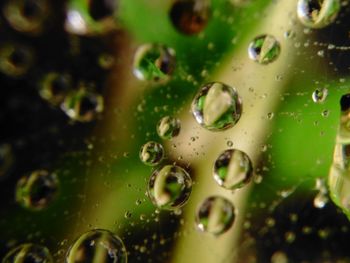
(217, 106)
(37, 190)
(98, 245)
(168, 127)
(320, 95)
(215, 215)
(318, 13)
(15, 59)
(190, 16)
(30, 253)
(233, 169)
(153, 62)
(264, 49)
(151, 153)
(169, 187)
(54, 87)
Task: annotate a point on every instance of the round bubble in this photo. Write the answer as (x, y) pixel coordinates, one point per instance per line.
(6, 160)
(318, 13)
(83, 105)
(190, 16)
(15, 59)
(320, 95)
(37, 190)
(28, 253)
(264, 49)
(154, 62)
(169, 187)
(233, 169)
(215, 215)
(98, 245)
(217, 106)
(27, 16)
(168, 127)
(151, 153)
(54, 87)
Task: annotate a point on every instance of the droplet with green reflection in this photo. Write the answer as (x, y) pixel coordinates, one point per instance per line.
(264, 49)
(168, 127)
(151, 153)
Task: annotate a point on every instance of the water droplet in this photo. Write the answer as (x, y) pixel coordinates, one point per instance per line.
(270, 115)
(82, 105)
(320, 200)
(6, 160)
(290, 237)
(54, 87)
(169, 187)
(233, 169)
(229, 143)
(168, 127)
(320, 95)
(27, 16)
(37, 190)
(28, 253)
(97, 245)
(215, 215)
(127, 214)
(153, 62)
(151, 153)
(190, 16)
(264, 49)
(217, 106)
(325, 113)
(318, 14)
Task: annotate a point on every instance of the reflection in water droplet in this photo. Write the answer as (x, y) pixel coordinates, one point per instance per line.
(318, 13)
(153, 62)
(169, 187)
(320, 95)
(38, 190)
(264, 49)
(54, 87)
(215, 215)
(217, 106)
(190, 16)
(98, 245)
(151, 153)
(28, 253)
(168, 127)
(82, 105)
(233, 169)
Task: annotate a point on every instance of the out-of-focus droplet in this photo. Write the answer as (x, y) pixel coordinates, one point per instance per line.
(279, 257)
(264, 49)
(15, 59)
(37, 190)
(217, 106)
(151, 153)
(93, 17)
(215, 215)
(320, 95)
(168, 127)
(28, 253)
(169, 187)
(97, 246)
(190, 16)
(233, 169)
(27, 16)
(318, 13)
(6, 160)
(106, 61)
(154, 62)
(54, 87)
(83, 105)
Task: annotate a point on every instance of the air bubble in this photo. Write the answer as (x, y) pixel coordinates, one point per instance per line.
(169, 187)
(168, 127)
(37, 190)
(28, 253)
(215, 215)
(190, 16)
(233, 169)
(97, 246)
(154, 62)
(54, 87)
(264, 49)
(217, 106)
(318, 13)
(320, 95)
(151, 153)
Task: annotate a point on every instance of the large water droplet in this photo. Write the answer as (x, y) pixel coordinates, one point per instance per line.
(168, 127)
(217, 106)
(318, 13)
(28, 253)
(215, 215)
(233, 169)
(169, 187)
(37, 190)
(97, 246)
(264, 49)
(151, 153)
